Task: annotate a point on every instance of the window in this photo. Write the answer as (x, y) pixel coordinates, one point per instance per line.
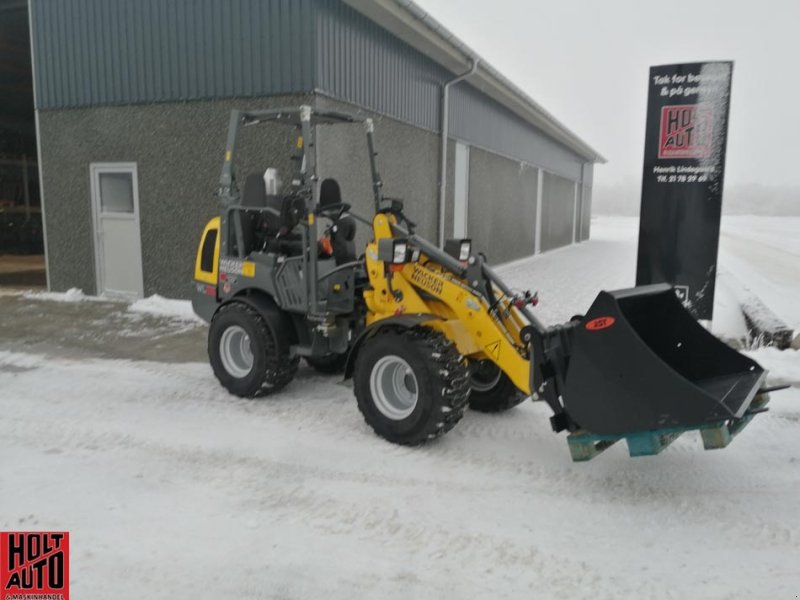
(207, 253)
(116, 192)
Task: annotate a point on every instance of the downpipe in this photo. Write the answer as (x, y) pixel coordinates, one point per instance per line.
(445, 112)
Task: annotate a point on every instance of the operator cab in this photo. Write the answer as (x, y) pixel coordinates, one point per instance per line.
(275, 230)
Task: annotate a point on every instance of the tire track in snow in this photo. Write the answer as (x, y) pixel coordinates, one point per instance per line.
(631, 487)
(505, 458)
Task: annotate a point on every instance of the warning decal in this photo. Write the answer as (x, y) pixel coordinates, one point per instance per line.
(493, 349)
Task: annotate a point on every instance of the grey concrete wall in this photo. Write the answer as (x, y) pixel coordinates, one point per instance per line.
(178, 149)
(502, 206)
(558, 211)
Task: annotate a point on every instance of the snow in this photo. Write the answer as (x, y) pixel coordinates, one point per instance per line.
(764, 253)
(170, 485)
(761, 252)
(155, 305)
(569, 278)
(159, 306)
(71, 295)
(784, 366)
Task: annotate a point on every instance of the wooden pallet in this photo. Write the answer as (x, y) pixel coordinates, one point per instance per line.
(584, 445)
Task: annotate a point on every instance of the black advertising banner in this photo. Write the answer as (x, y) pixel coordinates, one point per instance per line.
(684, 165)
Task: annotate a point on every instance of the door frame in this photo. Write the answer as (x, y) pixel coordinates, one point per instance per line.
(95, 169)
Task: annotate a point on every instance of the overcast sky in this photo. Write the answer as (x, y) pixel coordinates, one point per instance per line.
(587, 63)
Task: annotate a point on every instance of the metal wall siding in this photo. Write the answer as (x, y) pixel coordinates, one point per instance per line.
(362, 63)
(477, 119)
(100, 52)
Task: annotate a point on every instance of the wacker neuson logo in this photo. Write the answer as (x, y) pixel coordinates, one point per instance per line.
(34, 565)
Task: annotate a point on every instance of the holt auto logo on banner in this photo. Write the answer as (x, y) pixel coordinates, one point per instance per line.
(684, 165)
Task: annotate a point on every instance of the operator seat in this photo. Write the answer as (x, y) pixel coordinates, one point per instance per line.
(343, 231)
(254, 195)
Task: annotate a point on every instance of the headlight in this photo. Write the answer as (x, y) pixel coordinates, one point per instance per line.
(465, 251)
(459, 249)
(400, 252)
(393, 251)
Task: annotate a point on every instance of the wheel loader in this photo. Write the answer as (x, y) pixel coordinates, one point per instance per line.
(426, 332)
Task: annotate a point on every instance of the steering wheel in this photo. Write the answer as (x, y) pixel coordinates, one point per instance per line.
(333, 211)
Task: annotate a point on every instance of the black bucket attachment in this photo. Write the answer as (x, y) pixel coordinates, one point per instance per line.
(641, 363)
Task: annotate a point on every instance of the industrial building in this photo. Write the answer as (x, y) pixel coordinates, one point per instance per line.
(132, 103)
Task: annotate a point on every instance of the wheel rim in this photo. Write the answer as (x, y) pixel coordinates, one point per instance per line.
(485, 376)
(235, 351)
(394, 387)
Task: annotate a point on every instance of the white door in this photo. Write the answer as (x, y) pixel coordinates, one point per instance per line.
(118, 246)
(461, 191)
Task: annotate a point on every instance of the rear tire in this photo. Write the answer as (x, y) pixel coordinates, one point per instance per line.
(328, 365)
(411, 385)
(492, 390)
(244, 354)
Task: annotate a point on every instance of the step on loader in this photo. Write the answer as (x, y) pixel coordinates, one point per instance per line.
(425, 332)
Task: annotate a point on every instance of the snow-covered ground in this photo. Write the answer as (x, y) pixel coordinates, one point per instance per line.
(763, 253)
(173, 489)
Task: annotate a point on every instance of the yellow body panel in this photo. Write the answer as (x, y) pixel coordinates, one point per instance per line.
(248, 269)
(463, 316)
(205, 276)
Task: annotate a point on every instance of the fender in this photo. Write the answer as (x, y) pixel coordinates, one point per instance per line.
(399, 322)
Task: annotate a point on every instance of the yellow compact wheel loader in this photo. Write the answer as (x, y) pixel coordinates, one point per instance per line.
(425, 332)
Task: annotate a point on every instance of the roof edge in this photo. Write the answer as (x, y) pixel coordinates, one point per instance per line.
(413, 25)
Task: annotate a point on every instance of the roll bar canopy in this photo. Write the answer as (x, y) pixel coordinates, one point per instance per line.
(305, 118)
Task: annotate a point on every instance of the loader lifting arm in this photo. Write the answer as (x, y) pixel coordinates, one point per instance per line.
(539, 353)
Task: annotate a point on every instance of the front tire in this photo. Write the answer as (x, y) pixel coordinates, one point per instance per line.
(244, 354)
(492, 390)
(411, 385)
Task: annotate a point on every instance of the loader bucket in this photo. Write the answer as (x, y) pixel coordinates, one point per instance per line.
(640, 362)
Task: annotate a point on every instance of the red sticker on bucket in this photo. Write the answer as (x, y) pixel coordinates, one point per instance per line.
(600, 323)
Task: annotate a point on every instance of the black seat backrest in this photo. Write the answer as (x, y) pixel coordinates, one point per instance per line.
(342, 236)
(329, 192)
(254, 195)
(255, 191)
